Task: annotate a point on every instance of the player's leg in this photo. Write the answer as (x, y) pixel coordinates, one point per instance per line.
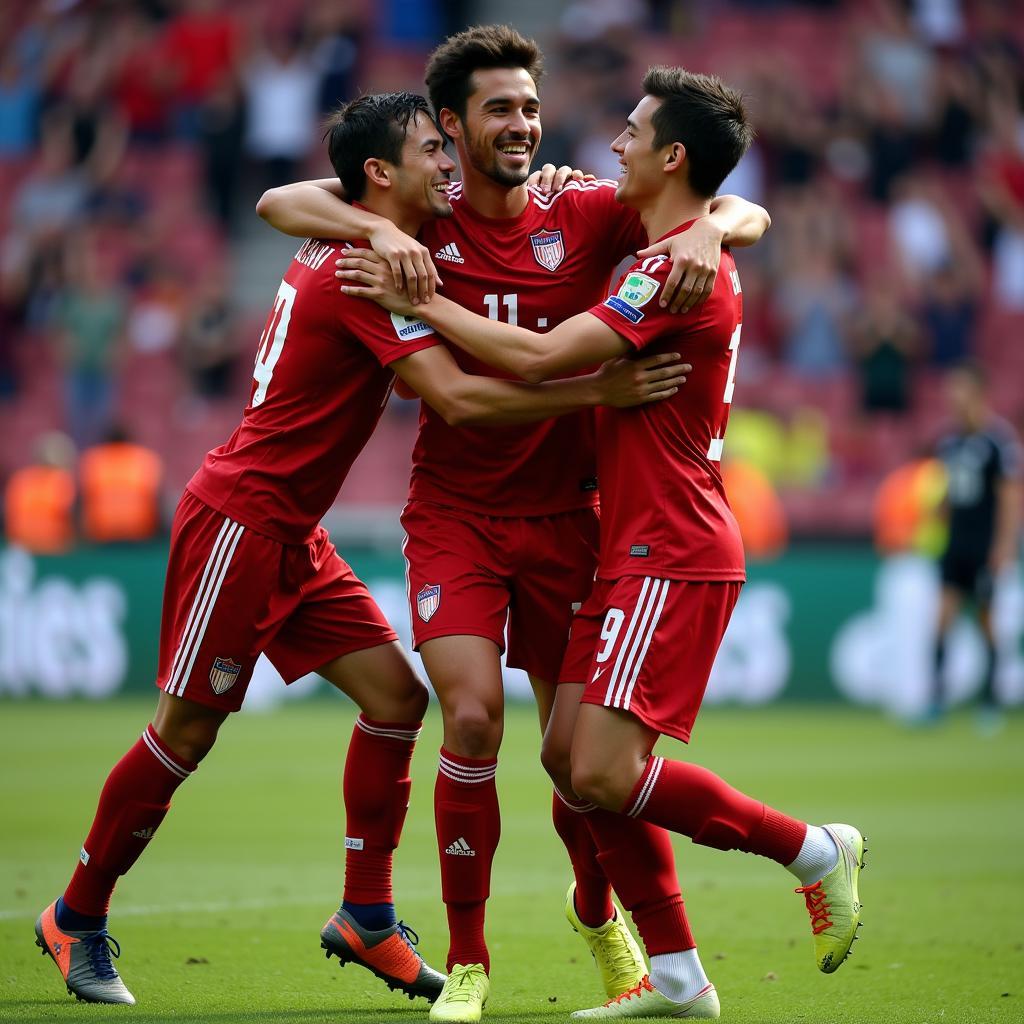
(466, 674)
(950, 605)
(990, 718)
(339, 631)
(217, 578)
(637, 857)
(652, 628)
(133, 802)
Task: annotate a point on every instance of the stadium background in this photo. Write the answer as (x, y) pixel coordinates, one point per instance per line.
(135, 140)
(137, 135)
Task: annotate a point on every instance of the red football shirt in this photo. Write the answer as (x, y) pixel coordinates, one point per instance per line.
(550, 263)
(663, 511)
(320, 384)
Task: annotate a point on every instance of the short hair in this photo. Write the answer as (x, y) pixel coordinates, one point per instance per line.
(452, 64)
(373, 125)
(706, 116)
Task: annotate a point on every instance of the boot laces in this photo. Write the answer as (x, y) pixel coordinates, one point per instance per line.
(463, 989)
(817, 906)
(643, 985)
(100, 948)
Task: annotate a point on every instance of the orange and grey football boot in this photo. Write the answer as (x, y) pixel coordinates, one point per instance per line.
(389, 953)
(84, 959)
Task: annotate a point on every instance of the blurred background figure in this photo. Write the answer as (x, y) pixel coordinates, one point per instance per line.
(982, 459)
(120, 490)
(39, 499)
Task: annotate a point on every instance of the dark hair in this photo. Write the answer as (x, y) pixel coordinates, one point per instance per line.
(370, 126)
(706, 116)
(452, 64)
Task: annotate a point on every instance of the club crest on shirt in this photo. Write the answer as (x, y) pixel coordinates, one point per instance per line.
(408, 327)
(224, 674)
(427, 601)
(548, 249)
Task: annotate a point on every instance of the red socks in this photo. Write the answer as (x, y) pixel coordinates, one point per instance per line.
(593, 895)
(637, 859)
(135, 799)
(376, 788)
(468, 826)
(688, 799)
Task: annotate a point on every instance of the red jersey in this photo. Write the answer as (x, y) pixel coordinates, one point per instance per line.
(664, 512)
(548, 264)
(319, 387)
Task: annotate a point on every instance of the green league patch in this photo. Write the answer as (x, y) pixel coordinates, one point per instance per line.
(638, 289)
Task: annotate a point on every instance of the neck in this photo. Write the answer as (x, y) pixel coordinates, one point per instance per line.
(668, 209)
(488, 197)
(384, 206)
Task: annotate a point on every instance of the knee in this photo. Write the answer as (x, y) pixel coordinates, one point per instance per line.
(473, 730)
(411, 705)
(557, 763)
(595, 780)
(191, 740)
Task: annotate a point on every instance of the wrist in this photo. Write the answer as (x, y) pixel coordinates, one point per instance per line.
(714, 224)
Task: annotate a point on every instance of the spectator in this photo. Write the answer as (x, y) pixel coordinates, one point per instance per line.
(281, 107)
(221, 129)
(884, 343)
(337, 37)
(120, 484)
(88, 321)
(19, 103)
(208, 350)
(39, 499)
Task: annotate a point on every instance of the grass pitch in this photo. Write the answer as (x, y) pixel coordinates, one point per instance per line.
(219, 920)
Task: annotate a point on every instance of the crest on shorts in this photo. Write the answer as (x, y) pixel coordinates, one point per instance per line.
(548, 249)
(427, 601)
(224, 674)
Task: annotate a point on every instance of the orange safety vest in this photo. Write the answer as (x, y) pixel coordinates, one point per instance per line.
(38, 506)
(120, 492)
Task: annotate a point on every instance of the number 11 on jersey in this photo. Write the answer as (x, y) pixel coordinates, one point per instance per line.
(718, 443)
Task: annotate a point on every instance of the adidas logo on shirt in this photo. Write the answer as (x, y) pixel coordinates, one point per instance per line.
(460, 848)
(450, 253)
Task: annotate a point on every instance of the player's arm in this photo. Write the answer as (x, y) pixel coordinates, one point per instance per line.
(696, 252)
(317, 209)
(462, 398)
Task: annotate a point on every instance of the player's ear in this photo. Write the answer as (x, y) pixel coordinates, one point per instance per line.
(450, 123)
(675, 156)
(376, 171)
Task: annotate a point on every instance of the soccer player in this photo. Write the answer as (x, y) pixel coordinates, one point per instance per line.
(503, 524)
(982, 460)
(252, 572)
(671, 560)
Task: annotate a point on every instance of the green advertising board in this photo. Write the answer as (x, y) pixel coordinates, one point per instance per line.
(822, 623)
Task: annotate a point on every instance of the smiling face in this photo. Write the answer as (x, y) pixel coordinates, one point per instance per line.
(643, 167)
(501, 130)
(421, 179)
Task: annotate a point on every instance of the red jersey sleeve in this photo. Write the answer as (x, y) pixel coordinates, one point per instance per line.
(389, 336)
(633, 310)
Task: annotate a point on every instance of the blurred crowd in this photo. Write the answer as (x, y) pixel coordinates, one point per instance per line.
(136, 135)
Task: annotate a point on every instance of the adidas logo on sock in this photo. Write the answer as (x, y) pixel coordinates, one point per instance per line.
(460, 848)
(145, 833)
(450, 253)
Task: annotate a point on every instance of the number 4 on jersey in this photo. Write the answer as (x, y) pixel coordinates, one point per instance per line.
(718, 443)
(272, 341)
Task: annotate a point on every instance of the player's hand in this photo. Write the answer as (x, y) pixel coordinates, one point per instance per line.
(695, 255)
(410, 263)
(365, 275)
(627, 382)
(553, 179)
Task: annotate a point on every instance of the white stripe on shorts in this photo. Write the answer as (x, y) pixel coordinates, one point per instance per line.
(647, 643)
(202, 606)
(625, 641)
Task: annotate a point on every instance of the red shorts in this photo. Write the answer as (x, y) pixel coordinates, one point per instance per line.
(647, 646)
(232, 594)
(467, 573)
